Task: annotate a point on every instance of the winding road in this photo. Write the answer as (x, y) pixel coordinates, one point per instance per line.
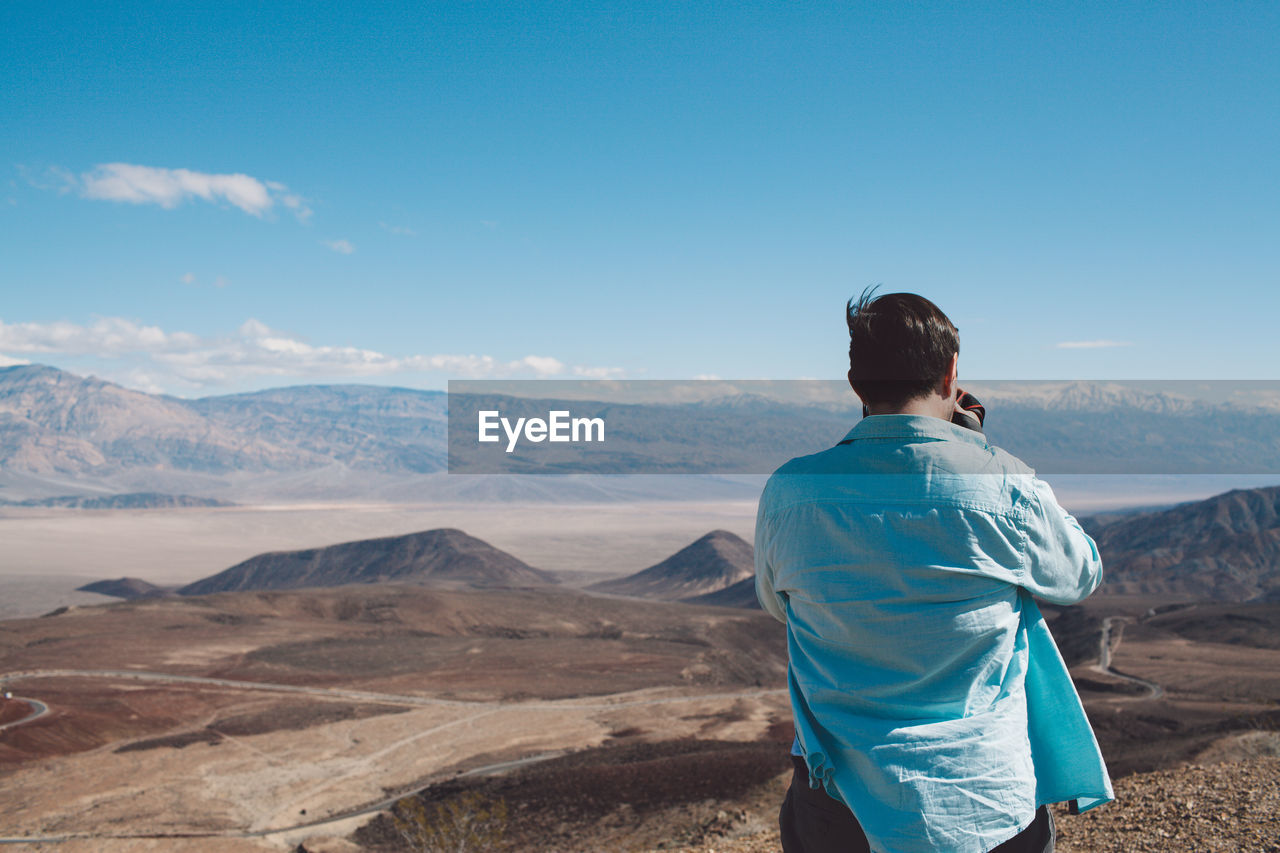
(336, 693)
(1105, 650)
(38, 710)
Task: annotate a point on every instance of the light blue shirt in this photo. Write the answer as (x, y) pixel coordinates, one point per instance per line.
(927, 692)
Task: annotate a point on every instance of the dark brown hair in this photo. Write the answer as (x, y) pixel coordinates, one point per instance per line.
(900, 346)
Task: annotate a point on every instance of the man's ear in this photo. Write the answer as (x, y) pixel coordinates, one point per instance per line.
(865, 410)
(950, 378)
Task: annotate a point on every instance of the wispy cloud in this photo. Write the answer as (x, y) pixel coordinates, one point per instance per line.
(180, 360)
(168, 188)
(106, 336)
(192, 279)
(1099, 344)
(50, 179)
(342, 247)
(6, 361)
(599, 372)
(398, 230)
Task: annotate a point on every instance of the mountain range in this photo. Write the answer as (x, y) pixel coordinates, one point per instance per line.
(1226, 548)
(58, 430)
(65, 435)
(83, 442)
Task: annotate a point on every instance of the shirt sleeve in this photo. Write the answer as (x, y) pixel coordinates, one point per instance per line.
(1061, 563)
(768, 597)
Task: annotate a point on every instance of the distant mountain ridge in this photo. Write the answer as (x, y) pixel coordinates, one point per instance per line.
(365, 427)
(715, 561)
(360, 442)
(131, 500)
(443, 557)
(1086, 397)
(53, 423)
(1226, 548)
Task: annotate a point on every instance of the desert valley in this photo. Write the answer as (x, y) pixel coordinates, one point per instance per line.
(233, 675)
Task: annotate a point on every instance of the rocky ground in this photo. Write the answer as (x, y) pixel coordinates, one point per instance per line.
(1232, 806)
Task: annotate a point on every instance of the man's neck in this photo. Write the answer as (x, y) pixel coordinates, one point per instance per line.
(934, 406)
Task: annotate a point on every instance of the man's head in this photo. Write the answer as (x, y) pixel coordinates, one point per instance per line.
(902, 350)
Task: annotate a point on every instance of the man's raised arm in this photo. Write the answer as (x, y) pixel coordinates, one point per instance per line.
(765, 593)
(1060, 562)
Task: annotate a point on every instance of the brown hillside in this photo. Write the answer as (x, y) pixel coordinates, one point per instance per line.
(1226, 548)
(444, 557)
(712, 563)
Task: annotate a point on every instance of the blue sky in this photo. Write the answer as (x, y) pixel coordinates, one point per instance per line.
(203, 200)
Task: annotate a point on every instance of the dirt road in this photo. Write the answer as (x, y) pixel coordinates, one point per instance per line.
(1105, 650)
(38, 710)
(336, 693)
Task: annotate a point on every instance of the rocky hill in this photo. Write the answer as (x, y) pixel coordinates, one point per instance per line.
(127, 588)
(443, 557)
(1226, 548)
(740, 594)
(716, 561)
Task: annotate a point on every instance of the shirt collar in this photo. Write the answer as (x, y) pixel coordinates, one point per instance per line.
(913, 426)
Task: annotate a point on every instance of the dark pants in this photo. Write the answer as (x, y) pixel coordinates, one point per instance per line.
(813, 822)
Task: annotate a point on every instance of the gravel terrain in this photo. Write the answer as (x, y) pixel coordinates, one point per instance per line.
(1233, 806)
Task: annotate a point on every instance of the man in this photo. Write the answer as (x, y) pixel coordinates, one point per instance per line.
(932, 709)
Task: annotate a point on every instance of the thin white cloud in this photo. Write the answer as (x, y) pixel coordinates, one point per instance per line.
(293, 201)
(50, 179)
(168, 188)
(192, 279)
(342, 247)
(106, 336)
(599, 372)
(183, 360)
(1100, 344)
(398, 230)
(6, 361)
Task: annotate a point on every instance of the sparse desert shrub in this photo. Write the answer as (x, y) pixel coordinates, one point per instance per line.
(467, 823)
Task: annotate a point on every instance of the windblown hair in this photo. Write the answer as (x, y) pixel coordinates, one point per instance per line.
(900, 346)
